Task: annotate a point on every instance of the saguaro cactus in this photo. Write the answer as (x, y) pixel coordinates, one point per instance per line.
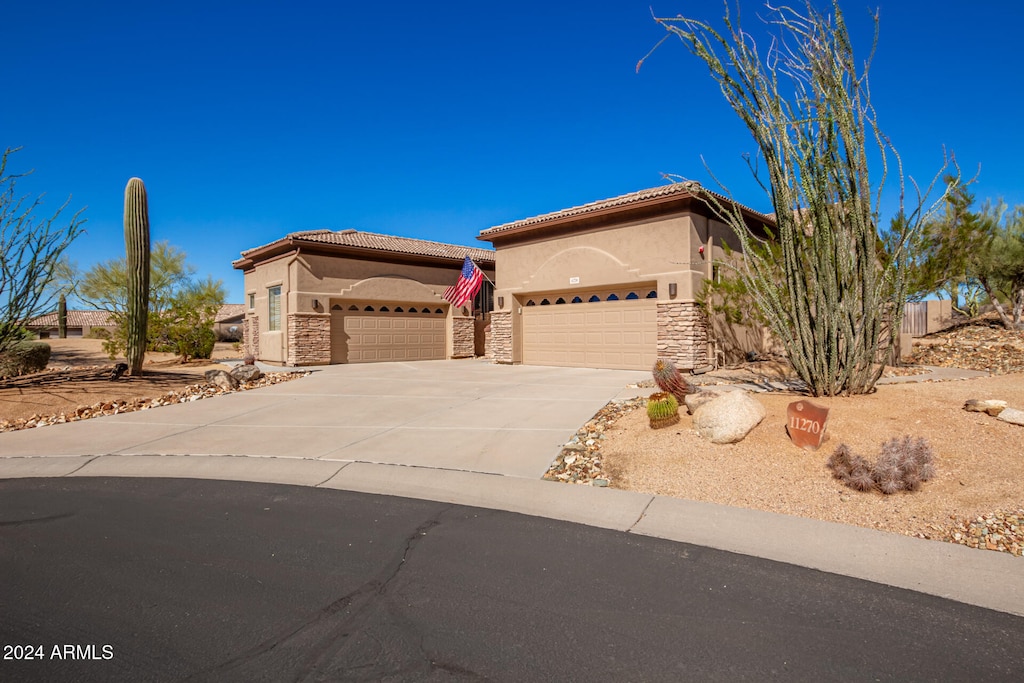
(136, 241)
(62, 317)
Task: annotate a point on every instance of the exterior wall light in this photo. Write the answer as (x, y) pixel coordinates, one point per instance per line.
(316, 304)
(672, 289)
(501, 302)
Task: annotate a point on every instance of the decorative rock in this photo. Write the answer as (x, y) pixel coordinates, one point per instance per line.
(728, 418)
(246, 373)
(1012, 415)
(700, 397)
(221, 379)
(990, 406)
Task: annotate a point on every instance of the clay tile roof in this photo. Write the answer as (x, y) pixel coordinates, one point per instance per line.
(75, 319)
(681, 189)
(386, 243)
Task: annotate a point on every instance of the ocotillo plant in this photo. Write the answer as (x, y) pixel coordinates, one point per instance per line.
(136, 241)
(669, 379)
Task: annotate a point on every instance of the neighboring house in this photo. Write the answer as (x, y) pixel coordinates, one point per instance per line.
(80, 323)
(322, 296)
(229, 323)
(613, 283)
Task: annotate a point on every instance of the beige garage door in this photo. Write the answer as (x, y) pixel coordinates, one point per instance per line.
(619, 334)
(372, 333)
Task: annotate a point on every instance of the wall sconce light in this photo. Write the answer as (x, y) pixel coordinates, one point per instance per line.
(316, 304)
(672, 289)
(501, 302)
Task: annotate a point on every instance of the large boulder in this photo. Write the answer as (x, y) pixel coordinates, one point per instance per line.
(702, 396)
(728, 418)
(246, 373)
(221, 379)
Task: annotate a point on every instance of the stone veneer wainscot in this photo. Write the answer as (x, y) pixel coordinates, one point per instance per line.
(499, 341)
(683, 334)
(309, 339)
(463, 337)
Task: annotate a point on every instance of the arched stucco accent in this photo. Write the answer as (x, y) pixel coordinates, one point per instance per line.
(593, 267)
(391, 287)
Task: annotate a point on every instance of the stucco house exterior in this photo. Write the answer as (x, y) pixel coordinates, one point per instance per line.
(321, 296)
(613, 283)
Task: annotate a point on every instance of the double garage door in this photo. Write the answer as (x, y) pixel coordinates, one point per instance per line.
(370, 333)
(618, 334)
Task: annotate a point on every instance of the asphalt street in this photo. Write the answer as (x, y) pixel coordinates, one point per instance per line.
(175, 579)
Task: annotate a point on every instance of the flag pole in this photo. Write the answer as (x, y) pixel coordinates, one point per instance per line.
(481, 271)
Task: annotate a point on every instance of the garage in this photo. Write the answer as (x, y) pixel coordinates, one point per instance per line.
(374, 332)
(616, 329)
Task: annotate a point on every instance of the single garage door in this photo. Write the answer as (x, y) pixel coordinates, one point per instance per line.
(371, 333)
(591, 333)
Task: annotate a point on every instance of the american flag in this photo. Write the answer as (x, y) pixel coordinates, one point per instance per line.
(468, 285)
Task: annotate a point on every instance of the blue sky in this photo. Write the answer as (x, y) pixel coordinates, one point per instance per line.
(248, 120)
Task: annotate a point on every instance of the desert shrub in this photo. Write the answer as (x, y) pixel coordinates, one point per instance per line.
(902, 465)
(98, 333)
(24, 358)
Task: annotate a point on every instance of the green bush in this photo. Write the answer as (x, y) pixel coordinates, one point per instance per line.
(24, 358)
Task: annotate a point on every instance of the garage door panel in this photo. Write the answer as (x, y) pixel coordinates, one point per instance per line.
(378, 336)
(606, 334)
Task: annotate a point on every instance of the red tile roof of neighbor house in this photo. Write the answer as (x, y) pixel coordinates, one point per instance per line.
(383, 243)
(102, 318)
(672, 190)
(75, 319)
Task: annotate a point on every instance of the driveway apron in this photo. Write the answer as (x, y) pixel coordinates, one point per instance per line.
(467, 415)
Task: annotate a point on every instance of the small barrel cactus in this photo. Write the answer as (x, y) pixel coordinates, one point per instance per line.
(669, 379)
(662, 410)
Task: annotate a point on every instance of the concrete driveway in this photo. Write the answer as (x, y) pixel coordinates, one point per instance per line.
(459, 415)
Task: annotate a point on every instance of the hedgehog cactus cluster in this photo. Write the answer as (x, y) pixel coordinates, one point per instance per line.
(902, 465)
(662, 410)
(136, 242)
(670, 380)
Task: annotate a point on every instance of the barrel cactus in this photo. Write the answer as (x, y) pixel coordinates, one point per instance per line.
(136, 241)
(669, 379)
(662, 410)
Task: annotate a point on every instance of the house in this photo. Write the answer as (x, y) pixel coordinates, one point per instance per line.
(614, 283)
(322, 296)
(229, 322)
(79, 324)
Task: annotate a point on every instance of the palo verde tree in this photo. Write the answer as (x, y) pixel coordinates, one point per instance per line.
(30, 249)
(835, 298)
(181, 308)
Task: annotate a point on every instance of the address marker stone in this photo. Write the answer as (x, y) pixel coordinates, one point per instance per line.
(806, 424)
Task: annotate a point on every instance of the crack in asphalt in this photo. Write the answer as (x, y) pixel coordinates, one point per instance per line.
(37, 520)
(328, 633)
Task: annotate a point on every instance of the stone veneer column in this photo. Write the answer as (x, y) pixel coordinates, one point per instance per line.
(309, 338)
(499, 342)
(463, 337)
(251, 334)
(683, 334)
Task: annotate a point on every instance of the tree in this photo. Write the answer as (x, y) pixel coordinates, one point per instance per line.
(179, 307)
(838, 307)
(30, 249)
(999, 269)
(947, 249)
